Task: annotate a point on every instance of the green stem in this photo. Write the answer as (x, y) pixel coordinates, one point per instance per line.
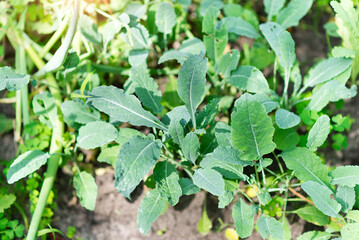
(286, 84)
(278, 161)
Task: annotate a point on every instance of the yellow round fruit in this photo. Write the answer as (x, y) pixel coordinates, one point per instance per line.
(251, 192)
(231, 234)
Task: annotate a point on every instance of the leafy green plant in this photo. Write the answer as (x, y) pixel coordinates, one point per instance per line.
(242, 136)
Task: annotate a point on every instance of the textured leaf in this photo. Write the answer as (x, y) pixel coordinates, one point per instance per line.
(243, 216)
(350, 231)
(272, 7)
(122, 107)
(78, 112)
(269, 102)
(346, 197)
(313, 215)
(306, 165)
(191, 83)
(150, 209)
(109, 154)
(6, 201)
(281, 42)
(345, 176)
(135, 159)
(223, 134)
(44, 105)
(11, 80)
(89, 30)
(138, 57)
(286, 139)
(25, 164)
(109, 31)
(124, 134)
(136, 10)
(331, 91)
(240, 27)
(321, 198)
(190, 46)
(216, 34)
(188, 187)
(226, 169)
(146, 89)
(319, 132)
(208, 113)
(315, 235)
(250, 79)
(252, 129)
(190, 147)
(293, 13)
(176, 120)
(96, 134)
(326, 70)
(210, 180)
(270, 228)
(86, 189)
(165, 18)
(225, 199)
(140, 37)
(228, 62)
(286, 119)
(166, 176)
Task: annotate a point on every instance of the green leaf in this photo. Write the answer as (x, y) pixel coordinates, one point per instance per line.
(192, 46)
(240, 27)
(293, 13)
(136, 10)
(331, 91)
(146, 89)
(135, 159)
(272, 7)
(150, 209)
(138, 57)
(11, 80)
(109, 31)
(109, 154)
(165, 18)
(228, 63)
(319, 132)
(166, 176)
(345, 176)
(25, 164)
(306, 165)
(321, 197)
(86, 189)
(208, 113)
(315, 235)
(346, 197)
(281, 42)
(286, 119)
(6, 124)
(96, 134)
(190, 147)
(252, 128)
(188, 187)
(139, 35)
(270, 228)
(250, 79)
(347, 13)
(176, 120)
(210, 180)
(6, 201)
(225, 199)
(216, 34)
(191, 83)
(122, 107)
(269, 102)
(243, 216)
(124, 134)
(204, 224)
(89, 30)
(350, 231)
(326, 70)
(223, 134)
(78, 112)
(286, 139)
(313, 215)
(44, 105)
